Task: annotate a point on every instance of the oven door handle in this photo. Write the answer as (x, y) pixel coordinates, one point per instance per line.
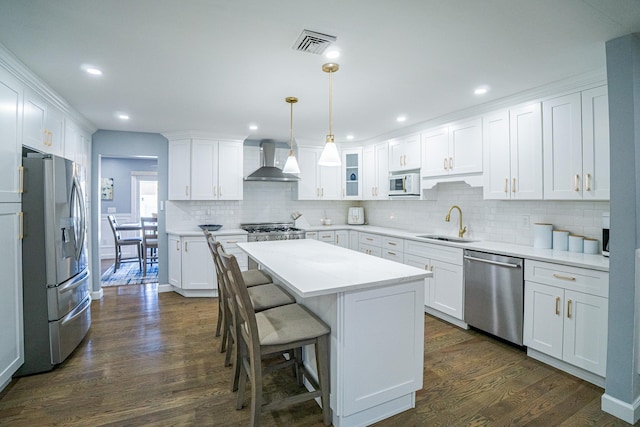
(487, 261)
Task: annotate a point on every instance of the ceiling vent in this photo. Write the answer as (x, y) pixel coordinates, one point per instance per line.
(312, 42)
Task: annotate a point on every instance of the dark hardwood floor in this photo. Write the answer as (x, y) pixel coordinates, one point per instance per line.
(153, 360)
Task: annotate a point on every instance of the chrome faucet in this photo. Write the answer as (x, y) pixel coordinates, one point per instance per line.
(461, 231)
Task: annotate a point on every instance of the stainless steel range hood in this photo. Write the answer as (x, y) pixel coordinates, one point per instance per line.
(268, 171)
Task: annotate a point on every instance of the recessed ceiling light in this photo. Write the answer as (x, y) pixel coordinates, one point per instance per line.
(123, 116)
(401, 119)
(481, 90)
(332, 54)
(90, 69)
(349, 137)
(253, 127)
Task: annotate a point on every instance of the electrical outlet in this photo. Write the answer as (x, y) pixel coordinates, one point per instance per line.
(111, 210)
(524, 221)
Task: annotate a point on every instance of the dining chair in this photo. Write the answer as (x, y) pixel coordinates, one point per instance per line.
(271, 332)
(149, 241)
(120, 241)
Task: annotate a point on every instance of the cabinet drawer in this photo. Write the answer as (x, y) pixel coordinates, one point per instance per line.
(371, 239)
(311, 235)
(230, 242)
(326, 236)
(393, 255)
(592, 282)
(370, 250)
(393, 244)
(433, 251)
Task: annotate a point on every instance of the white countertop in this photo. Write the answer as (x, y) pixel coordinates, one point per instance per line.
(312, 268)
(190, 232)
(596, 262)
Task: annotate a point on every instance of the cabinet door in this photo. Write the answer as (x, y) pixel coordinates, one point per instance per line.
(197, 265)
(10, 143)
(497, 162)
(595, 144)
(54, 126)
(525, 125)
(230, 179)
(465, 147)
(543, 318)
(330, 182)
(404, 153)
(369, 178)
(33, 127)
(342, 238)
(435, 152)
(424, 263)
(175, 261)
(446, 289)
(11, 333)
(585, 331)
(382, 171)
(562, 136)
(309, 185)
(352, 174)
(327, 237)
(179, 167)
(204, 170)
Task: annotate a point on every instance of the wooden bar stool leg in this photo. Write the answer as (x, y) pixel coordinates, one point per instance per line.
(322, 358)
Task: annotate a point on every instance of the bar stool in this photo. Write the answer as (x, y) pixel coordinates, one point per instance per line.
(274, 331)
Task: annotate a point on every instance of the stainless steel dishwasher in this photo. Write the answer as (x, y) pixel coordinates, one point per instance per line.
(494, 294)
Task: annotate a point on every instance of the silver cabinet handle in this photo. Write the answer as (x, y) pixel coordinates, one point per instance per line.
(450, 162)
(445, 164)
(186, 246)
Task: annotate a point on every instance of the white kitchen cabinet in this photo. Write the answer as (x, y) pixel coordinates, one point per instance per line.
(327, 236)
(370, 244)
(77, 143)
(375, 167)
(352, 174)
(11, 333)
(404, 153)
(452, 150)
(317, 182)
(566, 314)
(392, 249)
(513, 154)
(311, 235)
(203, 169)
(446, 287)
(11, 96)
(576, 146)
(342, 238)
(175, 260)
(43, 125)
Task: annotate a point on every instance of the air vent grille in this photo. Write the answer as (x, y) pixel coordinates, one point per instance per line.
(312, 42)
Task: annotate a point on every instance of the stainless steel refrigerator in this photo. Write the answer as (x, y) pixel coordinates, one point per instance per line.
(56, 298)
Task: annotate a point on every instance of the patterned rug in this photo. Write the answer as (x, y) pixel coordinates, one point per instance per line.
(129, 274)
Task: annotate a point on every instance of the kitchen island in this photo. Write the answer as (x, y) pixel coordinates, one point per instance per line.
(375, 309)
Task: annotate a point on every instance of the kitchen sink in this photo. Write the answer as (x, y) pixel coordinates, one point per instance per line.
(446, 238)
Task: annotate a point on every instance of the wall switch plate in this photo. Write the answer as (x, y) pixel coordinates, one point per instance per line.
(111, 210)
(524, 221)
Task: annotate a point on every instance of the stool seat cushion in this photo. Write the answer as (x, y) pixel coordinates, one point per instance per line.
(255, 277)
(269, 296)
(289, 323)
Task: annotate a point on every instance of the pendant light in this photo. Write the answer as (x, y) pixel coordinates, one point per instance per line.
(291, 165)
(330, 155)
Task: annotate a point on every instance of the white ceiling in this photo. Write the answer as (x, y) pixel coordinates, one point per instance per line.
(217, 66)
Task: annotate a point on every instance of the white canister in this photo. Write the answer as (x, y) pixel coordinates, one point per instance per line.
(560, 240)
(590, 246)
(542, 236)
(576, 243)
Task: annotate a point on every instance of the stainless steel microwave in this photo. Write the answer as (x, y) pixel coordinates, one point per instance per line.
(404, 185)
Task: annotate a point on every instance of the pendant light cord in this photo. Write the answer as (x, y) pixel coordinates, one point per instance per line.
(331, 105)
(291, 132)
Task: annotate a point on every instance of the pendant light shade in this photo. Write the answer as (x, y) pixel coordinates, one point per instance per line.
(330, 155)
(291, 165)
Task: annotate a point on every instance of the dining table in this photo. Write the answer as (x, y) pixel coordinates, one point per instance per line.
(375, 309)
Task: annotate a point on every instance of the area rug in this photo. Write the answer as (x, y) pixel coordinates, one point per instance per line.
(129, 274)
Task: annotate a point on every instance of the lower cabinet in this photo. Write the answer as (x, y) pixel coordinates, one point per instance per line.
(445, 290)
(566, 315)
(191, 268)
(342, 238)
(370, 244)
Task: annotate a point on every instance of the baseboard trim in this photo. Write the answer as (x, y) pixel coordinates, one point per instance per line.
(96, 295)
(566, 367)
(625, 411)
(165, 288)
(440, 315)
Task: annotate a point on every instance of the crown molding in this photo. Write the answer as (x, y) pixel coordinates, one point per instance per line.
(196, 134)
(28, 78)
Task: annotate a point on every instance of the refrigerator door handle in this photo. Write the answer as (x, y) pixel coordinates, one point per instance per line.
(75, 282)
(76, 192)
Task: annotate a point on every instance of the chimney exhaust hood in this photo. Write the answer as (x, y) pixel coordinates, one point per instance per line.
(268, 171)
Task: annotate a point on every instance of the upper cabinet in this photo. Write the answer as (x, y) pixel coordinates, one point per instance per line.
(202, 169)
(317, 182)
(77, 143)
(375, 184)
(352, 174)
(10, 137)
(43, 125)
(452, 150)
(576, 146)
(404, 153)
(513, 154)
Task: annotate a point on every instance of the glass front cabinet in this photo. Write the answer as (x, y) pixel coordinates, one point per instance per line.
(351, 174)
